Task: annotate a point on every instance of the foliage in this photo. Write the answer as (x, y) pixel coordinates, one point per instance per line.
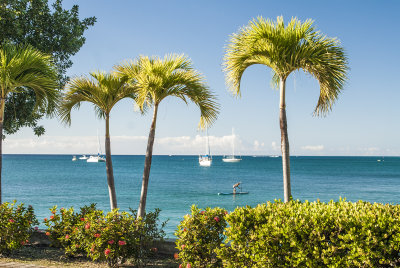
(52, 30)
(199, 234)
(285, 49)
(113, 237)
(16, 226)
(295, 234)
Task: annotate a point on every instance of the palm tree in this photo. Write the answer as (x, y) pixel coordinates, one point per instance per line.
(103, 91)
(26, 69)
(157, 79)
(287, 49)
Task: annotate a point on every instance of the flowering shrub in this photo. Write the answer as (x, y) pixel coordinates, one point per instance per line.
(113, 237)
(295, 234)
(16, 226)
(199, 234)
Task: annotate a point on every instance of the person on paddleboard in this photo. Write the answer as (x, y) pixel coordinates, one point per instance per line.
(236, 185)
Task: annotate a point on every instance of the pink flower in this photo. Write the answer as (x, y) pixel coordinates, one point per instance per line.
(202, 212)
(36, 228)
(22, 242)
(176, 255)
(183, 246)
(92, 249)
(77, 246)
(67, 237)
(216, 218)
(121, 243)
(154, 249)
(107, 251)
(11, 220)
(111, 242)
(47, 233)
(97, 235)
(180, 266)
(87, 226)
(188, 265)
(226, 212)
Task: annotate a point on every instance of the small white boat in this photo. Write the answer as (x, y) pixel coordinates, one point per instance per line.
(232, 158)
(206, 160)
(83, 157)
(95, 159)
(74, 158)
(99, 157)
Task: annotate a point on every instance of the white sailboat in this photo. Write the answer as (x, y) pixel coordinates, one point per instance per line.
(98, 157)
(83, 157)
(206, 160)
(232, 158)
(74, 158)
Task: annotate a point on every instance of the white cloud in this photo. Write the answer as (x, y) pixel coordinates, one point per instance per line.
(313, 148)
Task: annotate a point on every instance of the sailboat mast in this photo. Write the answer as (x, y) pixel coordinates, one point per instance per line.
(233, 143)
(208, 143)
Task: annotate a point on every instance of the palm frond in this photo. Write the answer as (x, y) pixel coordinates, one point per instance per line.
(286, 49)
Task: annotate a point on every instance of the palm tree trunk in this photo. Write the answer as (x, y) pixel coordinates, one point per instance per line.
(284, 142)
(147, 165)
(2, 103)
(109, 167)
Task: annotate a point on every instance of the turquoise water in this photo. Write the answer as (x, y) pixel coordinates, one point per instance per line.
(177, 182)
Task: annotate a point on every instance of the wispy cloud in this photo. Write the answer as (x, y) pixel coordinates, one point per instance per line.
(313, 148)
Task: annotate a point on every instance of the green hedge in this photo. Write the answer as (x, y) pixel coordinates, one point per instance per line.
(311, 234)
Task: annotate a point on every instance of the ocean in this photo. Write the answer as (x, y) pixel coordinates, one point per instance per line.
(177, 182)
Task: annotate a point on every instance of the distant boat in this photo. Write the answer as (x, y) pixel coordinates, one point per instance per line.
(83, 157)
(274, 156)
(99, 157)
(232, 158)
(74, 158)
(206, 160)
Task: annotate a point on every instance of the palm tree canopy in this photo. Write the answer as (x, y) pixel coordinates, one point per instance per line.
(286, 49)
(101, 89)
(156, 78)
(26, 68)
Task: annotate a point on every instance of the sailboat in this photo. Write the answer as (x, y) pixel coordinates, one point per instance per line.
(83, 157)
(206, 160)
(232, 158)
(98, 157)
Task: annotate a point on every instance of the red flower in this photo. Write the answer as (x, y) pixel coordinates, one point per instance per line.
(202, 212)
(216, 218)
(184, 230)
(77, 246)
(22, 242)
(154, 249)
(54, 212)
(45, 219)
(107, 251)
(11, 220)
(67, 237)
(87, 226)
(180, 266)
(188, 265)
(176, 255)
(27, 241)
(47, 233)
(82, 219)
(92, 249)
(111, 242)
(121, 243)
(51, 217)
(36, 228)
(97, 235)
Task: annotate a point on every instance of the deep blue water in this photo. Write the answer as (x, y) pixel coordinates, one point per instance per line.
(177, 182)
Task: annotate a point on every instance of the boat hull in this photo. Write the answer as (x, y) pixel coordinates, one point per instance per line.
(231, 160)
(95, 159)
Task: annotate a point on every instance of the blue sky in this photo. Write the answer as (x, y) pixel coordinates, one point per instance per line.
(364, 121)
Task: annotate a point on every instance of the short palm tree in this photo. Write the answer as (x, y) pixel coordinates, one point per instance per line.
(24, 69)
(287, 49)
(103, 91)
(157, 79)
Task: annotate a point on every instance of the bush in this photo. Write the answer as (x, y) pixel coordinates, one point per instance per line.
(16, 226)
(295, 234)
(199, 234)
(113, 237)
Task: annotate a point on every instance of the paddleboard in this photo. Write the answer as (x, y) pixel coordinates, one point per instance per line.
(233, 193)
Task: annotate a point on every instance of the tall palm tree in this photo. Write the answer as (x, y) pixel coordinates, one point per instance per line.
(287, 49)
(24, 69)
(103, 91)
(157, 79)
